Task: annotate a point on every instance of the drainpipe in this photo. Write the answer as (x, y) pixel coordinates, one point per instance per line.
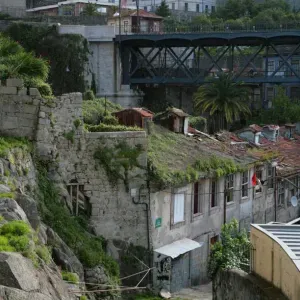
(148, 227)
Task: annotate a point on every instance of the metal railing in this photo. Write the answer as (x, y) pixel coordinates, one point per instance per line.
(225, 28)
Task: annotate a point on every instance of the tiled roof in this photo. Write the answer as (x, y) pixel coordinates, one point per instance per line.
(142, 14)
(142, 111)
(286, 150)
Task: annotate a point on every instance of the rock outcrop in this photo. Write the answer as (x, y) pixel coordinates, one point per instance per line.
(21, 280)
(10, 210)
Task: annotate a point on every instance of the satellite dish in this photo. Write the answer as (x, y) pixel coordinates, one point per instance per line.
(294, 201)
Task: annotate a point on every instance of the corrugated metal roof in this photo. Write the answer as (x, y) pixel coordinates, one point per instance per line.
(179, 247)
(286, 235)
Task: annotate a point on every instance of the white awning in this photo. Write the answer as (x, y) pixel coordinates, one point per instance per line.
(179, 247)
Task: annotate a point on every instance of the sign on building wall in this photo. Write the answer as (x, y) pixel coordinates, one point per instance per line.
(158, 222)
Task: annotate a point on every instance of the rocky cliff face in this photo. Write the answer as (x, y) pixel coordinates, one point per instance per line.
(33, 256)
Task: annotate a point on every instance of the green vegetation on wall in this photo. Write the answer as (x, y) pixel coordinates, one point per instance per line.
(111, 128)
(119, 160)
(73, 230)
(9, 143)
(67, 54)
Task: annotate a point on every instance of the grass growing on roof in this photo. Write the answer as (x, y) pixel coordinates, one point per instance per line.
(175, 159)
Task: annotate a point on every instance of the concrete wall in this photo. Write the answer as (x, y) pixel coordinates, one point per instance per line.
(276, 264)
(238, 285)
(105, 63)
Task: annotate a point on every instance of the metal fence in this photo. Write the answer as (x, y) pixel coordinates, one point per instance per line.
(247, 27)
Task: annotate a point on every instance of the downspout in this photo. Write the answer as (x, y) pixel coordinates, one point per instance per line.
(147, 219)
(275, 196)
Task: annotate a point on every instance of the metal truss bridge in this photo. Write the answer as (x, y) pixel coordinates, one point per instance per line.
(254, 57)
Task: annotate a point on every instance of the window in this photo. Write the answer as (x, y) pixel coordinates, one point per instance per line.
(295, 66)
(80, 203)
(245, 181)
(229, 188)
(271, 66)
(197, 7)
(125, 26)
(258, 173)
(281, 193)
(271, 176)
(295, 93)
(214, 239)
(178, 208)
(270, 94)
(186, 6)
(145, 8)
(213, 9)
(206, 9)
(213, 194)
(173, 6)
(197, 203)
(293, 190)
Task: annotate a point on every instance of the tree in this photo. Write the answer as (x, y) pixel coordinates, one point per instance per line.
(90, 10)
(233, 251)
(15, 61)
(224, 100)
(163, 10)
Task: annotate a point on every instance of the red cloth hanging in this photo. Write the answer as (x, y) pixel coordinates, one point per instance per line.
(254, 180)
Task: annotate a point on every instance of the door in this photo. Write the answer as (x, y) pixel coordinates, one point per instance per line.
(180, 273)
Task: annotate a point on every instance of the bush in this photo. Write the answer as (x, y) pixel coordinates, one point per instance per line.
(94, 110)
(110, 120)
(89, 95)
(43, 87)
(19, 243)
(43, 253)
(16, 228)
(111, 128)
(70, 277)
(198, 123)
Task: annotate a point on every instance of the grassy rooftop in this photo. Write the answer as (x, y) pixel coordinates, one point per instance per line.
(175, 159)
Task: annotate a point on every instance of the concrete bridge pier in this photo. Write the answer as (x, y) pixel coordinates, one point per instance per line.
(105, 63)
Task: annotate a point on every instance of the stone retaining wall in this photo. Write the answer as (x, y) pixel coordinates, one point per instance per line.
(237, 285)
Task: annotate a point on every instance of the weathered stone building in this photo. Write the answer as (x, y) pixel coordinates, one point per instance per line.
(172, 202)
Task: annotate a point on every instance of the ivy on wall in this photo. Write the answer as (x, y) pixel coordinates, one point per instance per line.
(67, 54)
(119, 160)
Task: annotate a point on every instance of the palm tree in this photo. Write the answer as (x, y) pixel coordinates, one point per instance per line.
(224, 99)
(90, 10)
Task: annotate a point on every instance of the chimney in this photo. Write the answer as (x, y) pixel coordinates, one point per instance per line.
(271, 132)
(290, 131)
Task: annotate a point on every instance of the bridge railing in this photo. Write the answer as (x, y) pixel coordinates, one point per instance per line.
(247, 27)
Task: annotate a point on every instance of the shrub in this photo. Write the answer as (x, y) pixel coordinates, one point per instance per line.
(43, 253)
(110, 120)
(77, 123)
(20, 243)
(89, 95)
(43, 87)
(198, 123)
(95, 110)
(16, 228)
(7, 195)
(111, 128)
(83, 298)
(70, 277)
(69, 136)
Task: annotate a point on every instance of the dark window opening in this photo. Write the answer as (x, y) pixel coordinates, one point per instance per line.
(271, 176)
(213, 201)
(229, 188)
(197, 208)
(245, 180)
(80, 203)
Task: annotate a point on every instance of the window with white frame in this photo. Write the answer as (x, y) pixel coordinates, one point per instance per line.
(245, 183)
(229, 188)
(213, 194)
(178, 208)
(293, 188)
(281, 193)
(271, 176)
